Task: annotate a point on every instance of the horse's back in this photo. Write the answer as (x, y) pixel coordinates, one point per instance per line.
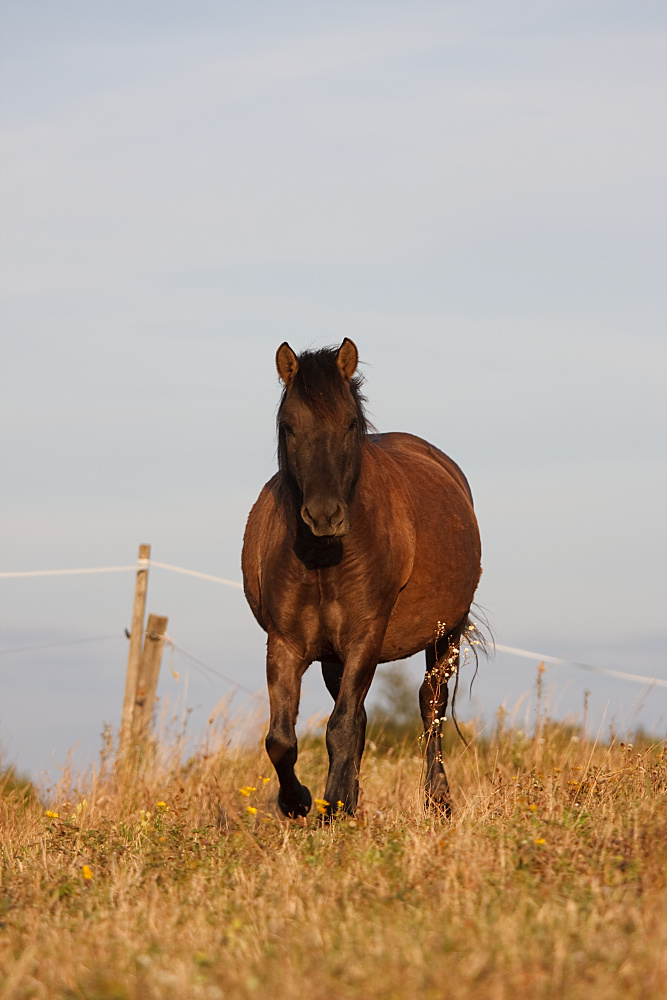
(406, 446)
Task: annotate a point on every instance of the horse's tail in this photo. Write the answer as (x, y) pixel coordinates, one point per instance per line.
(478, 638)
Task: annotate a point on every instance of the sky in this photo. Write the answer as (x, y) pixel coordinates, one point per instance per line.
(473, 192)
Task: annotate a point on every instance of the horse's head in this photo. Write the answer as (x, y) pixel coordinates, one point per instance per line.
(321, 432)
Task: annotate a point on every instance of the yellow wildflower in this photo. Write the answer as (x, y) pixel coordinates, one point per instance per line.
(540, 840)
(322, 805)
(251, 809)
(532, 807)
(247, 789)
(162, 805)
(86, 872)
(82, 806)
(266, 780)
(51, 814)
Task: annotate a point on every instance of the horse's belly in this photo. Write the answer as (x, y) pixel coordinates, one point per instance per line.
(406, 636)
(432, 603)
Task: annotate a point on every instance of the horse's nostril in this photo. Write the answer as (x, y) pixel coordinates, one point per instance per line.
(324, 519)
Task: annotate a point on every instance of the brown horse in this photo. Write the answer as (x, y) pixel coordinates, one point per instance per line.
(362, 549)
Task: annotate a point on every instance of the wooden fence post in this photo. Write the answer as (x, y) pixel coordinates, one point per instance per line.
(149, 672)
(136, 646)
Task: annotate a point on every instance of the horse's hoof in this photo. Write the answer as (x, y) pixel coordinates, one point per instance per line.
(439, 805)
(300, 808)
(437, 799)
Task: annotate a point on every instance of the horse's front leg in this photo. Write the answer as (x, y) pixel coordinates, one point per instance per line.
(284, 670)
(346, 729)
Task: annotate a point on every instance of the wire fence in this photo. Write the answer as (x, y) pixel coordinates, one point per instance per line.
(144, 564)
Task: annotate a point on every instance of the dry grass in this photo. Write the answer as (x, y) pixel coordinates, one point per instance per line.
(549, 881)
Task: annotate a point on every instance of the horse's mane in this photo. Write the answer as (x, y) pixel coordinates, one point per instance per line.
(319, 385)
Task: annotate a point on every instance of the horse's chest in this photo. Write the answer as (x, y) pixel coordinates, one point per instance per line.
(317, 614)
(324, 608)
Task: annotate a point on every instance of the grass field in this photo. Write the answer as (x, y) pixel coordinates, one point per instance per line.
(170, 880)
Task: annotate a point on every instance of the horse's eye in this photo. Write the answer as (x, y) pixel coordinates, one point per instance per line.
(288, 430)
(353, 426)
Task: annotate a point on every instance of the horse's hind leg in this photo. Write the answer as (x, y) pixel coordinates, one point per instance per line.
(433, 704)
(284, 670)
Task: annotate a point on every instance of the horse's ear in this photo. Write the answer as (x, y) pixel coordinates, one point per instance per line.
(287, 363)
(347, 358)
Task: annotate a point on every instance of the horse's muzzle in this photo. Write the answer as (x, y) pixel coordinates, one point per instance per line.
(326, 518)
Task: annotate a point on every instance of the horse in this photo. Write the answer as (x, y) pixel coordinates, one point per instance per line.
(362, 549)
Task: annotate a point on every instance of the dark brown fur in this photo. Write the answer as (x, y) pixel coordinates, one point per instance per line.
(361, 550)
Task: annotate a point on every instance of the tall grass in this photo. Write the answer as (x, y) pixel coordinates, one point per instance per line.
(156, 878)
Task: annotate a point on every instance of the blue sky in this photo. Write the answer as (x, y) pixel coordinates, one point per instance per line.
(474, 193)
